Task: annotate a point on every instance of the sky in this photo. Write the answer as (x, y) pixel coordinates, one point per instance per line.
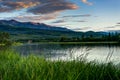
(78, 15)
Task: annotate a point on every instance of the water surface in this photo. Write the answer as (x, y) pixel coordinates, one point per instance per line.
(72, 51)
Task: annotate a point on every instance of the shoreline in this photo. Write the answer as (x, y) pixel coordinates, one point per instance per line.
(75, 43)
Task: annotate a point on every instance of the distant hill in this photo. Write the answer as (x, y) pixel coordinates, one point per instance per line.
(113, 31)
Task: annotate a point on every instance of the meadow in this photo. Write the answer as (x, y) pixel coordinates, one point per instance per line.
(16, 67)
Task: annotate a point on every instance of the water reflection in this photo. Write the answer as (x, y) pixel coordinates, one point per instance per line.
(70, 52)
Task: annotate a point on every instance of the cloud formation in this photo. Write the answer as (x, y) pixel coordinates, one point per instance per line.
(70, 16)
(40, 7)
(37, 6)
(118, 23)
(81, 21)
(51, 7)
(59, 21)
(35, 18)
(84, 28)
(111, 28)
(6, 6)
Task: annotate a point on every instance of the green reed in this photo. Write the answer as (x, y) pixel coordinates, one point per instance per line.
(16, 67)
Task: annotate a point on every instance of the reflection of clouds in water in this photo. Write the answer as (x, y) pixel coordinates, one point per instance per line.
(96, 53)
(105, 54)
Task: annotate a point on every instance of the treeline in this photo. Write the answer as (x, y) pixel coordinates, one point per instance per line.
(81, 38)
(5, 38)
(92, 38)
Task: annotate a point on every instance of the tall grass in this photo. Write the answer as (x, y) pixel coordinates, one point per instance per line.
(16, 67)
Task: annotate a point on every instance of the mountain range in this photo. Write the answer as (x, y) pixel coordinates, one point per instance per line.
(25, 31)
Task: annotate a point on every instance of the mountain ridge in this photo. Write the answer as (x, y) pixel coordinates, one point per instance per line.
(32, 25)
(20, 32)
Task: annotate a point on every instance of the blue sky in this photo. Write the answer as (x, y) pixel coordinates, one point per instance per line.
(80, 15)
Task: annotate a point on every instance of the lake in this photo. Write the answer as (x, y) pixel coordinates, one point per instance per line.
(100, 53)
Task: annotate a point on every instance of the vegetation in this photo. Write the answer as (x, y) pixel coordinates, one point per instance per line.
(110, 37)
(16, 67)
(5, 38)
(70, 37)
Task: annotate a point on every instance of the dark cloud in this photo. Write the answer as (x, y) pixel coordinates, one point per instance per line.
(116, 27)
(59, 21)
(37, 6)
(6, 6)
(110, 27)
(118, 23)
(81, 21)
(70, 16)
(51, 7)
(63, 21)
(84, 28)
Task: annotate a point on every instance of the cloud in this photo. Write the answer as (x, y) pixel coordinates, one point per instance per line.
(59, 21)
(81, 21)
(6, 6)
(35, 18)
(51, 7)
(86, 2)
(37, 6)
(110, 27)
(70, 16)
(118, 23)
(84, 28)
(47, 8)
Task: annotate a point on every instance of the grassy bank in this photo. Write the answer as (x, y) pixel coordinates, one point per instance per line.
(16, 67)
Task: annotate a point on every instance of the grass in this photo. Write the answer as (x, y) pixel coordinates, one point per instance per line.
(16, 67)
